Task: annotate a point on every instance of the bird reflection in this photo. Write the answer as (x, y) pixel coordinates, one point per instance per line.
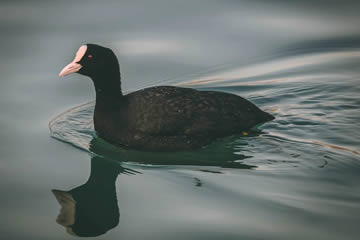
(92, 209)
(217, 156)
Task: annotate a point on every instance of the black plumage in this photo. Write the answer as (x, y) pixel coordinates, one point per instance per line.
(164, 118)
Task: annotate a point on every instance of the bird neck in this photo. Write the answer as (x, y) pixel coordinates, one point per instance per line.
(107, 88)
(107, 83)
(103, 173)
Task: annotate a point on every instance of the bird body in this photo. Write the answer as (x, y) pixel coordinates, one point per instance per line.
(170, 118)
(163, 118)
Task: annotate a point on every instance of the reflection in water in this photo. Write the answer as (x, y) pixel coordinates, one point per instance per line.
(216, 155)
(92, 209)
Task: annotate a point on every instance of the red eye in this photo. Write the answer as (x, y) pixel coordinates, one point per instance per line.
(90, 56)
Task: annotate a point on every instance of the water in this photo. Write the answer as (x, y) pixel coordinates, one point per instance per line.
(295, 177)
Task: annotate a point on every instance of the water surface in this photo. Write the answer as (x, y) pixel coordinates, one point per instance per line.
(295, 177)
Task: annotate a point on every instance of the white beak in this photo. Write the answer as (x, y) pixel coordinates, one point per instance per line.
(74, 66)
(70, 68)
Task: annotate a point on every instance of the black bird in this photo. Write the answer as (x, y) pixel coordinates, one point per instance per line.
(92, 209)
(164, 118)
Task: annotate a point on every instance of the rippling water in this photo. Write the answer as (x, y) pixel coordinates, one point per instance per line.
(295, 177)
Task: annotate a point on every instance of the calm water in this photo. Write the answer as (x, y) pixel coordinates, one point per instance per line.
(296, 177)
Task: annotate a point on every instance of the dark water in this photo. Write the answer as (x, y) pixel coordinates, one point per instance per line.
(296, 177)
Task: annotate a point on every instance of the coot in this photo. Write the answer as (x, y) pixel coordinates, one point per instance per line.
(163, 118)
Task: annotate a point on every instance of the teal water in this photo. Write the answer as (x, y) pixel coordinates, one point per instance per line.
(296, 177)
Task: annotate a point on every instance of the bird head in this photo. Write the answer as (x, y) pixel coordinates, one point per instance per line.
(91, 60)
